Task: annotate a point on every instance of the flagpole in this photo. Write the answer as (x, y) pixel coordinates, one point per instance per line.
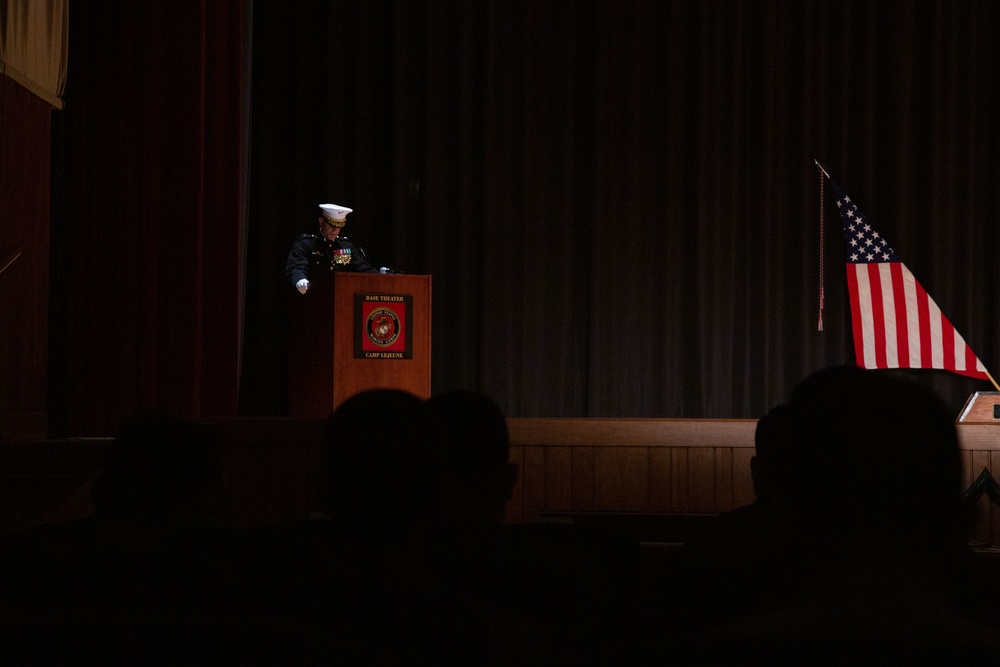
(992, 380)
(820, 167)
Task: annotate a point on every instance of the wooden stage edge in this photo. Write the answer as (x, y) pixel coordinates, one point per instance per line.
(569, 469)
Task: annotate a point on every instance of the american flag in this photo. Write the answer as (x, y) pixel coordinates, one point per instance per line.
(896, 324)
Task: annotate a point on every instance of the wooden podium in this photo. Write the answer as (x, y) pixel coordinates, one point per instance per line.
(982, 406)
(358, 331)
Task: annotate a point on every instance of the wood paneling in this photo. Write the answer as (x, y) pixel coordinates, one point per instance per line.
(514, 512)
(584, 478)
(670, 467)
(702, 471)
(661, 480)
(742, 481)
(559, 478)
(646, 472)
(607, 432)
(633, 465)
(622, 479)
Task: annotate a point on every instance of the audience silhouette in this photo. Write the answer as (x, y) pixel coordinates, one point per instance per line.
(469, 432)
(355, 585)
(548, 593)
(854, 549)
(734, 565)
(161, 472)
(146, 577)
(863, 552)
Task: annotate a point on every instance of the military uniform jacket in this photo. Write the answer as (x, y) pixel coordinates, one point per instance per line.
(312, 257)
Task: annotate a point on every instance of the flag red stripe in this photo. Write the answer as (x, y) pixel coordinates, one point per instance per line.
(948, 343)
(895, 323)
(852, 289)
(970, 359)
(924, 315)
(902, 329)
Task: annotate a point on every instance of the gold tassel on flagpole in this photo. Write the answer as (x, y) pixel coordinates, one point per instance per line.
(822, 233)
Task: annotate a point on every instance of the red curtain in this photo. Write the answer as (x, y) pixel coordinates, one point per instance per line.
(24, 249)
(147, 228)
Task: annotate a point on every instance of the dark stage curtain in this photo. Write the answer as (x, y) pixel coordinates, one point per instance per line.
(617, 200)
(147, 214)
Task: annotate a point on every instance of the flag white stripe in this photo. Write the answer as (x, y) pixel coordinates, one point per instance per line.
(867, 325)
(937, 340)
(909, 329)
(912, 316)
(889, 316)
(959, 352)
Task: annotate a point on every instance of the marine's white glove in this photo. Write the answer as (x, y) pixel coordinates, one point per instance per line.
(302, 286)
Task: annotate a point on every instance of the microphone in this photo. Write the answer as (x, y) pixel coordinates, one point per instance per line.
(386, 269)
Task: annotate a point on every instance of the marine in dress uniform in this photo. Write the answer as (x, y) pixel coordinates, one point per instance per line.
(313, 255)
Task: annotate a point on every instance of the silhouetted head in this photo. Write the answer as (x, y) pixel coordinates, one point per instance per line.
(876, 455)
(773, 438)
(159, 469)
(375, 475)
(470, 432)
